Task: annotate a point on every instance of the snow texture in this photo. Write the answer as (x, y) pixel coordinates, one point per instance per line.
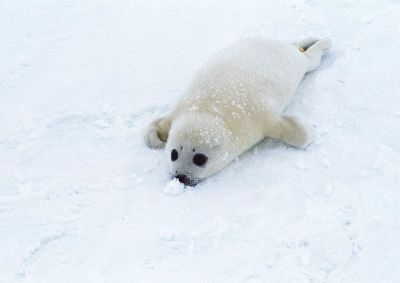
(174, 187)
(82, 198)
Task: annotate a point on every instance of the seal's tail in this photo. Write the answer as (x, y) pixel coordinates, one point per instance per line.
(314, 48)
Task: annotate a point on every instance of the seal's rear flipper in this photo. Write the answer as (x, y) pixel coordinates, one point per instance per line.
(314, 48)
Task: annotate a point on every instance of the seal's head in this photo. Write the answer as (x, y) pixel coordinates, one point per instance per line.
(197, 147)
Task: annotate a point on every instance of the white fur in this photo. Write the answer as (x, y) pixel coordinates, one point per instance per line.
(235, 100)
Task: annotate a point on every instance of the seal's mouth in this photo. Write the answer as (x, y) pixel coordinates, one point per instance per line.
(186, 179)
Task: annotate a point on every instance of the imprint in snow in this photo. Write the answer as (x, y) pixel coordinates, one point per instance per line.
(103, 123)
(139, 181)
(328, 189)
(25, 188)
(326, 163)
(302, 166)
(305, 259)
(173, 188)
(35, 251)
(271, 260)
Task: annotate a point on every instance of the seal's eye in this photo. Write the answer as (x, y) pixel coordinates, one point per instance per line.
(174, 155)
(200, 159)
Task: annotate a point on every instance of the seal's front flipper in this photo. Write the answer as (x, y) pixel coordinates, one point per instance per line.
(156, 133)
(290, 130)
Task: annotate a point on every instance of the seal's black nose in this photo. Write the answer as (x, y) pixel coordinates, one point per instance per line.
(185, 179)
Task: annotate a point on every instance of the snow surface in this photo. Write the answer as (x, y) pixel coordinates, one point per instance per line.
(82, 198)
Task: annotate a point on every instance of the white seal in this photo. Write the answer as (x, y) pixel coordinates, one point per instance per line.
(236, 100)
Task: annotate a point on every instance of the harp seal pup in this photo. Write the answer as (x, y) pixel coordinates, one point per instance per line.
(234, 101)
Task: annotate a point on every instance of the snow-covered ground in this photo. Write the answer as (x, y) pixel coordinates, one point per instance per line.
(82, 199)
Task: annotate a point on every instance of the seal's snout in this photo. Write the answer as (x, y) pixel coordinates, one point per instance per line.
(186, 180)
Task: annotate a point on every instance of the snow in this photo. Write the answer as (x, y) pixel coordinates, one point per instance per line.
(82, 198)
(174, 187)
